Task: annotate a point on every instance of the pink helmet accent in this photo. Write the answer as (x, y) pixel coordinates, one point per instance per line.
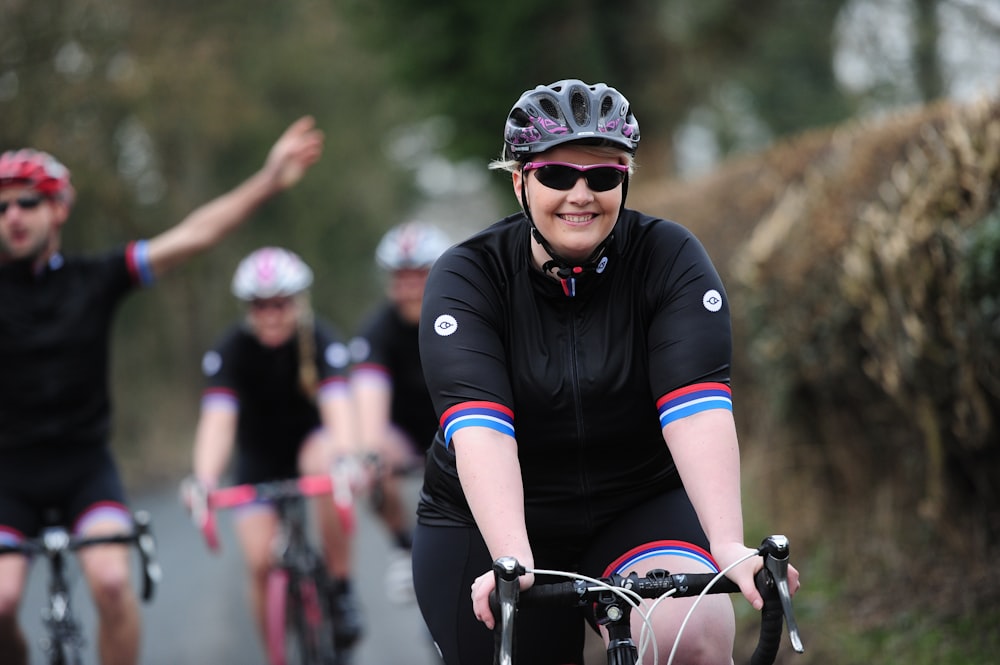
(411, 245)
(270, 272)
(38, 170)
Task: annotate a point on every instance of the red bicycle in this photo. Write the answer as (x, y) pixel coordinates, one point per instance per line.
(300, 620)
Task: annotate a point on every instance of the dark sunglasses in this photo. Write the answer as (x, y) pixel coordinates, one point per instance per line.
(563, 176)
(24, 203)
(271, 303)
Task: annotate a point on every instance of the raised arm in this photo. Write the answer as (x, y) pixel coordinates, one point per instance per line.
(298, 148)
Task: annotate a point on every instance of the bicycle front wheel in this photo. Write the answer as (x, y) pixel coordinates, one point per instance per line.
(298, 625)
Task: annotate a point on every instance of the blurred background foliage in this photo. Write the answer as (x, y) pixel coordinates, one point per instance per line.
(834, 157)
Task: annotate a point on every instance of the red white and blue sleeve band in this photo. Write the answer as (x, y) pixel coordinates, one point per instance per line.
(477, 414)
(332, 388)
(371, 373)
(222, 399)
(137, 257)
(693, 399)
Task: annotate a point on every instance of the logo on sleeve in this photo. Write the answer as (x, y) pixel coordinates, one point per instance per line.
(712, 300)
(211, 363)
(445, 325)
(359, 348)
(337, 355)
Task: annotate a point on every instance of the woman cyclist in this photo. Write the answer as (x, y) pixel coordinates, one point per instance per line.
(395, 415)
(578, 354)
(277, 391)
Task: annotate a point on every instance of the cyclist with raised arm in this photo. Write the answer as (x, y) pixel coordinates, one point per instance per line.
(55, 414)
(578, 354)
(395, 414)
(277, 392)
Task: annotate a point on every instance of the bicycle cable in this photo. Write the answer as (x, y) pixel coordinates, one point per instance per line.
(719, 576)
(629, 596)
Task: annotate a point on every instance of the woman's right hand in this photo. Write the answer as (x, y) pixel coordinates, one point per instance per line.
(482, 587)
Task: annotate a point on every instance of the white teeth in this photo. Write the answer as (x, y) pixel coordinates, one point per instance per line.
(577, 218)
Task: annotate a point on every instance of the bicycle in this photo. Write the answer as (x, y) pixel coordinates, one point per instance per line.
(63, 642)
(614, 597)
(300, 620)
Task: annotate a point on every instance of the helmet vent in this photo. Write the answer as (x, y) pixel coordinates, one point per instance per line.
(581, 108)
(606, 105)
(520, 118)
(550, 107)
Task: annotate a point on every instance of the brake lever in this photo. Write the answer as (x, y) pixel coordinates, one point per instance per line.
(506, 571)
(775, 550)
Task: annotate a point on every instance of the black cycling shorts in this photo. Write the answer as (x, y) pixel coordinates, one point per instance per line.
(55, 488)
(446, 560)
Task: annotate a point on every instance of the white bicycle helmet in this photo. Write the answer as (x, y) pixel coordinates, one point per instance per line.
(411, 245)
(271, 272)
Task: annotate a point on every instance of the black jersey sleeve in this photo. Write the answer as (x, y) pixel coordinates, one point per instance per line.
(690, 336)
(461, 348)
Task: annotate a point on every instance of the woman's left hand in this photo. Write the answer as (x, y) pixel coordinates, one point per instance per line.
(743, 574)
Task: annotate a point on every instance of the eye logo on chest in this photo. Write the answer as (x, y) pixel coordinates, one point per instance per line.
(445, 325)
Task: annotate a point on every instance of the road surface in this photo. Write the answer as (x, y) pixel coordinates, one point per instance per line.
(200, 615)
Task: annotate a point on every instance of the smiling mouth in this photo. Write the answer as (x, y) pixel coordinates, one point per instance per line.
(578, 219)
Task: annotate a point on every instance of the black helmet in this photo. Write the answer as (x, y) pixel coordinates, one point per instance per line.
(565, 111)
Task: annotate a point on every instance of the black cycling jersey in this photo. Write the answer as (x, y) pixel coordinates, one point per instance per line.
(55, 327)
(275, 414)
(391, 346)
(588, 381)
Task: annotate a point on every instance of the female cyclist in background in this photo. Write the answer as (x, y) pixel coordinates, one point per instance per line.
(277, 391)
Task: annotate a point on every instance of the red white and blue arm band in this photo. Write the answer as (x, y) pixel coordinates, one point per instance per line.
(220, 398)
(333, 387)
(693, 399)
(490, 415)
(137, 258)
(371, 374)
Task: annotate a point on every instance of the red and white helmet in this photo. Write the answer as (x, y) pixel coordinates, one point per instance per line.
(411, 245)
(271, 272)
(38, 170)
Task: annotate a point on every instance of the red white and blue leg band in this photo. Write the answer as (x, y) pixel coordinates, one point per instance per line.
(658, 548)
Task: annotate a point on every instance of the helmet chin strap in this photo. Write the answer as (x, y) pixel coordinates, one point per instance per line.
(567, 271)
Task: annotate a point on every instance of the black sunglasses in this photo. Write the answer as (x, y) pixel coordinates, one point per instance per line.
(24, 203)
(563, 175)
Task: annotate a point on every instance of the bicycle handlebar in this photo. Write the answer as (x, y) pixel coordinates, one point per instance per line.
(203, 504)
(54, 542)
(771, 581)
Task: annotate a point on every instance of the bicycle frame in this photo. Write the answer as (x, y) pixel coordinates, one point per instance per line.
(297, 585)
(64, 641)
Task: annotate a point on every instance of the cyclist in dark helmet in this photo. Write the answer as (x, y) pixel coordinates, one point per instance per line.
(276, 391)
(56, 314)
(578, 355)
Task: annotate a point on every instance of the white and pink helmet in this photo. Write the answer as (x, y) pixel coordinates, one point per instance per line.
(271, 272)
(411, 245)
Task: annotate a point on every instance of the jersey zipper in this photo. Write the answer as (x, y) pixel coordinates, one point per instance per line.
(578, 408)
